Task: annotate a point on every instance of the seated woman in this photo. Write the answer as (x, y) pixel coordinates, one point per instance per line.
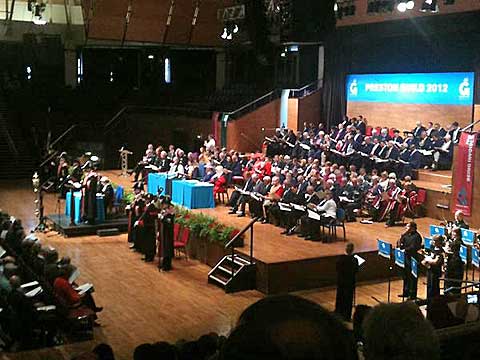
(192, 169)
(66, 294)
(219, 181)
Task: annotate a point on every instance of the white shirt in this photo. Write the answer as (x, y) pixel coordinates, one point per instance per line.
(330, 209)
(176, 169)
(210, 145)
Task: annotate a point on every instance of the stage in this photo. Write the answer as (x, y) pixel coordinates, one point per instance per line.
(61, 223)
(290, 263)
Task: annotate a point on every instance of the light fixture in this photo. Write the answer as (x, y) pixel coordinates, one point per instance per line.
(235, 29)
(335, 7)
(410, 4)
(151, 57)
(402, 6)
(224, 34)
(229, 36)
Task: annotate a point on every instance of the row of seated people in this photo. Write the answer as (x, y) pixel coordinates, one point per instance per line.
(348, 143)
(39, 298)
(304, 196)
(292, 327)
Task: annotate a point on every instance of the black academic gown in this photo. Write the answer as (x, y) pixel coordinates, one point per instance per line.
(347, 268)
(167, 240)
(90, 200)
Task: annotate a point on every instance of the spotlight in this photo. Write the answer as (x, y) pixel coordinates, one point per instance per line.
(335, 7)
(402, 7)
(224, 34)
(235, 29)
(151, 57)
(229, 36)
(410, 5)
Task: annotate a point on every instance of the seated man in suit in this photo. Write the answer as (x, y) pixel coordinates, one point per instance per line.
(261, 187)
(443, 156)
(239, 200)
(279, 216)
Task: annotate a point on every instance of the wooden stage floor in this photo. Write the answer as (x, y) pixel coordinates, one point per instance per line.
(142, 304)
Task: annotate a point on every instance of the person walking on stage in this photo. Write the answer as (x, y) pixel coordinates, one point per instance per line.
(168, 220)
(411, 242)
(434, 264)
(347, 268)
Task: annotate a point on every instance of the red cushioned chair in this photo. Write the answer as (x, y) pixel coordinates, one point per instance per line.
(237, 180)
(180, 245)
(176, 231)
(391, 132)
(368, 131)
(221, 194)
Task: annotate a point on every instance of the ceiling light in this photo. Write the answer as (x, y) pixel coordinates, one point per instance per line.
(235, 29)
(224, 34)
(402, 7)
(410, 5)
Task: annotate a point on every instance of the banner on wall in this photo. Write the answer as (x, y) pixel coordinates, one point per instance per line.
(454, 88)
(464, 172)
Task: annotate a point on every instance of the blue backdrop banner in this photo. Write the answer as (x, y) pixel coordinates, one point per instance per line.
(454, 88)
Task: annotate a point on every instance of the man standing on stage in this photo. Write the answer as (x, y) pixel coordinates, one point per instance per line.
(411, 242)
(347, 268)
(90, 197)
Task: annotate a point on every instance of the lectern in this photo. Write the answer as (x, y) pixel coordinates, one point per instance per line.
(124, 160)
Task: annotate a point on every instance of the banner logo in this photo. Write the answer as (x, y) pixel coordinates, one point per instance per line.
(354, 88)
(464, 88)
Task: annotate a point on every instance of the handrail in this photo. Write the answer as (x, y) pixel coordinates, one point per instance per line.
(250, 103)
(63, 135)
(231, 243)
(250, 224)
(313, 86)
(117, 115)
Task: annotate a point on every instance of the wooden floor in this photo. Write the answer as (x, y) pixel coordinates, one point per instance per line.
(144, 305)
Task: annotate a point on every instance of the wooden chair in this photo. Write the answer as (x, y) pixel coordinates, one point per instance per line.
(221, 195)
(180, 245)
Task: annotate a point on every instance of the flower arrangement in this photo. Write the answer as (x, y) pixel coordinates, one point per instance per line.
(204, 226)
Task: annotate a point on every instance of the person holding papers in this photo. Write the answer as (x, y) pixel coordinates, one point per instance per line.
(176, 168)
(274, 194)
(434, 263)
(68, 296)
(347, 268)
(239, 197)
(411, 242)
(326, 212)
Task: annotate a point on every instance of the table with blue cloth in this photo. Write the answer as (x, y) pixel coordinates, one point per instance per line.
(156, 180)
(99, 219)
(193, 194)
(77, 205)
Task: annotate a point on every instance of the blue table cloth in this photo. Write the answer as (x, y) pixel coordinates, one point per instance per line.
(78, 207)
(156, 180)
(198, 195)
(77, 204)
(193, 194)
(177, 191)
(100, 218)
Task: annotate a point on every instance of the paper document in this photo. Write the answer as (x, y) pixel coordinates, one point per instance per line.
(30, 284)
(284, 207)
(298, 207)
(313, 215)
(359, 259)
(2, 252)
(46, 308)
(82, 289)
(74, 276)
(34, 292)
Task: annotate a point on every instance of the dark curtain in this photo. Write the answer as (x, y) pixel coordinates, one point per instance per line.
(429, 44)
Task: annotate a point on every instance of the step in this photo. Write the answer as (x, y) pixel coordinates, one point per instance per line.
(440, 177)
(228, 271)
(238, 260)
(218, 280)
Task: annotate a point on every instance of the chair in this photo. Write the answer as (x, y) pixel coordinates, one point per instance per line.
(339, 222)
(201, 170)
(237, 180)
(391, 132)
(176, 230)
(221, 194)
(181, 244)
(421, 199)
(118, 199)
(368, 131)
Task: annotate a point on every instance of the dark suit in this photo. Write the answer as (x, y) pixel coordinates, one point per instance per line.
(255, 206)
(238, 200)
(347, 268)
(411, 243)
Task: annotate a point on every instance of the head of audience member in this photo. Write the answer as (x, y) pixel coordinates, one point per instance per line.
(288, 327)
(361, 312)
(275, 181)
(103, 352)
(411, 227)
(267, 180)
(458, 215)
(399, 332)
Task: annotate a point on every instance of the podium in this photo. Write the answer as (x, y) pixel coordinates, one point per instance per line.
(99, 219)
(77, 205)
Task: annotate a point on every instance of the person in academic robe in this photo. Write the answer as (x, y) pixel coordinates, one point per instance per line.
(106, 189)
(443, 156)
(90, 197)
(261, 187)
(459, 221)
(410, 242)
(176, 167)
(418, 129)
(76, 171)
(132, 212)
(275, 193)
(146, 223)
(62, 174)
(167, 217)
(327, 209)
(162, 162)
(454, 270)
(347, 268)
(434, 263)
(219, 180)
